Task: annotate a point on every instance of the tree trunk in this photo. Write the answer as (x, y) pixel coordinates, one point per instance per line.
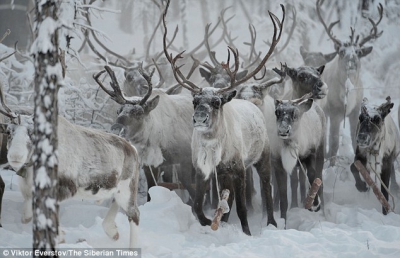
(47, 76)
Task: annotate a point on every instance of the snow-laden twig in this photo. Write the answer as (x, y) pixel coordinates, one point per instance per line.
(93, 29)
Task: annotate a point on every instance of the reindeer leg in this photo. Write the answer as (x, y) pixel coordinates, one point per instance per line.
(240, 195)
(25, 185)
(264, 171)
(294, 184)
(360, 185)
(334, 137)
(2, 187)
(108, 224)
(249, 189)
(126, 198)
(385, 176)
(394, 187)
(225, 181)
(276, 190)
(281, 177)
(303, 190)
(201, 185)
(310, 165)
(353, 117)
(186, 178)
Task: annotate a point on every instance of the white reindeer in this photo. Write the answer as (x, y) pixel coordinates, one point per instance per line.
(229, 136)
(91, 165)
(301, 131)
(158, 125)
(343, 78)
(378, 144)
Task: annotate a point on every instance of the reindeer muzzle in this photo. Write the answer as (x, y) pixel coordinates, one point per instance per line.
(363, 140)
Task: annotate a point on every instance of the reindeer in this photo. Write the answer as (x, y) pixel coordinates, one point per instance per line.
(92, 165)
(343, 77)
(301, 131)
(158, 125)
(378, 144)
(229, 136)
(304, 80)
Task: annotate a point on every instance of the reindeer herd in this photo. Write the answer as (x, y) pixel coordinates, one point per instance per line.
(215, 135)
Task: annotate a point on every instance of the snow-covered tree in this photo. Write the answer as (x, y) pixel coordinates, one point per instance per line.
(47, 79)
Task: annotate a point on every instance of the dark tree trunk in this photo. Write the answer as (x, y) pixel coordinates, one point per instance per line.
(47, 75)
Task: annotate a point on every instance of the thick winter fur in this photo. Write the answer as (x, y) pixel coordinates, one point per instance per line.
(161, 130)
(378, 146)
(343, 78)
(91, 165)
(228, 137)
(302, 137)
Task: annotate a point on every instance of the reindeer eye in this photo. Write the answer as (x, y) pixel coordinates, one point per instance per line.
(376, 120)
(215, 102)
(342, 52)
(129, 78)
(196, 102)
(277, 113)
(302, 77)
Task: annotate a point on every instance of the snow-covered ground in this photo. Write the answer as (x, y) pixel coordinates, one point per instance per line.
(351, 224)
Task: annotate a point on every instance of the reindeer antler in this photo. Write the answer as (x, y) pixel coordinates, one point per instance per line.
(327, 29)
(179, 77)
(374, 31)
(7, 111)
(117, 94)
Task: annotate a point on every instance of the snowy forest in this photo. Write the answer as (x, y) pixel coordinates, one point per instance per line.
(186, 128)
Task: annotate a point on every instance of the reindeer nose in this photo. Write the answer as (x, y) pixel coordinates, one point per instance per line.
(200, 117)
(363, 139)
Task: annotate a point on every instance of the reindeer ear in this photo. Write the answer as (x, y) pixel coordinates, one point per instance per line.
(3, 128)
(305, 105)
(330, 57)
(277, 102)
(386, 110)
(303, 53)
(228, 96)
(321, 69)
(364, 51)
(241, 75)
(291, 72)
(152, 104)
(205, 74)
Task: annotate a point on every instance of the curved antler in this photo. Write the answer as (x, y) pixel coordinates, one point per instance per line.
(117, 94)
(374, 31)
(327, 29)
(275, 39)
(179, 77)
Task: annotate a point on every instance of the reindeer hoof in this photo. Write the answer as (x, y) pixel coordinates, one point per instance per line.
(116, 237)
(205, 222)
(316, 205)
(273, 222)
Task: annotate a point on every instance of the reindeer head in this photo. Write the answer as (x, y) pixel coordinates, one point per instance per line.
(133, 110)
(316, 59)
(350, 52)
(135, 83)
(216, 75)
(371, 123)
(208, 102)
(19, 136)
(308, 79)
(288, 114)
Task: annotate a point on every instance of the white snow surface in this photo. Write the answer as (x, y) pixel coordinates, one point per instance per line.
(351, 224)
